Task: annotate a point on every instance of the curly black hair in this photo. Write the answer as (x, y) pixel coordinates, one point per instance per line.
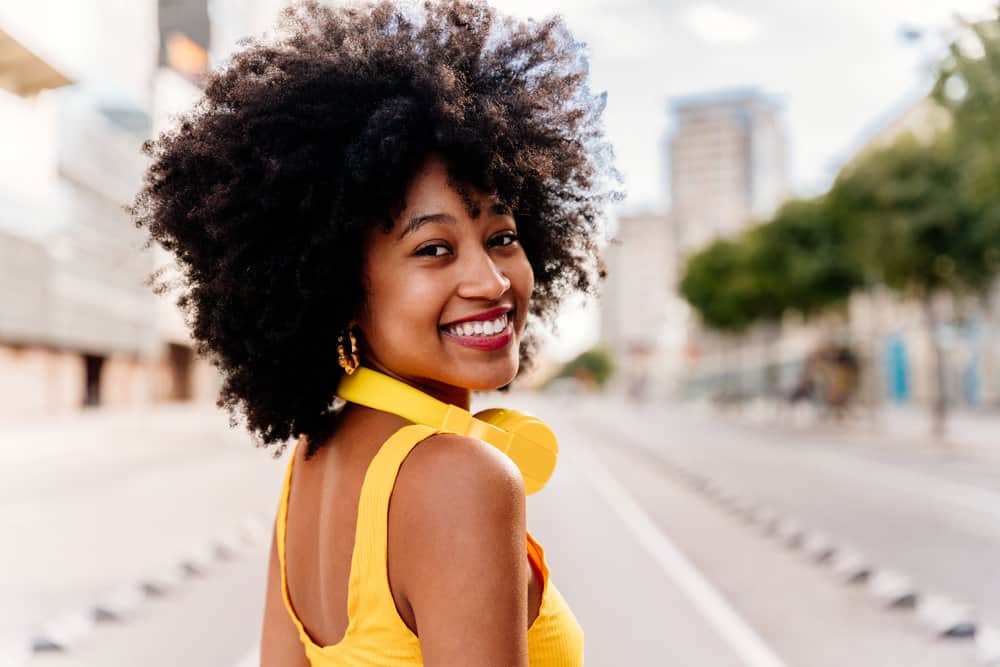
(306, 140)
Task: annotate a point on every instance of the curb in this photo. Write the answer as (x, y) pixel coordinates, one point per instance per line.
(946, 617)
(893, 588)
(819, 546)
(789, 532)
(850, 566)
(71, 628)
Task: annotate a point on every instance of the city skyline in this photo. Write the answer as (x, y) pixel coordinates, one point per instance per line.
(833, 96)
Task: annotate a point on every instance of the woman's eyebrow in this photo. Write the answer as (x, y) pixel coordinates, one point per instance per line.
(419, 221)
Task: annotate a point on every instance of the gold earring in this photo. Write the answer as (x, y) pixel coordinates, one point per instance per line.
(348, 364)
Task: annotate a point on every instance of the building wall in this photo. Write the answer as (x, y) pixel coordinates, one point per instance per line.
(727, 165)
(38, 381)
(73, 267)
(642, 318)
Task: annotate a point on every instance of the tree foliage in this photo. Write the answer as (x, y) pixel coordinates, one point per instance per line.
(807, 248)
(801, 260)
(913, 230)
(717, 285)
(968, 85)
(595, 363)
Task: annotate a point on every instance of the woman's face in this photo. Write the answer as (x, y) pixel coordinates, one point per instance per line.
(451, 256)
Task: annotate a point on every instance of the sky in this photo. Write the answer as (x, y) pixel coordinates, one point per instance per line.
(839, 70)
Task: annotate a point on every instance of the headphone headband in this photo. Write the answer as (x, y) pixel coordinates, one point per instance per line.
(526, 439)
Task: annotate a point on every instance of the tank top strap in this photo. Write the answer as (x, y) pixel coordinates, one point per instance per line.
(369, 584)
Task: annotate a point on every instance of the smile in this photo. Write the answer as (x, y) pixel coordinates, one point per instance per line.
(482, 335)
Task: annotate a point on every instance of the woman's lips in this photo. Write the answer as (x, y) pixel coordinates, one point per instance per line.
(492, 342)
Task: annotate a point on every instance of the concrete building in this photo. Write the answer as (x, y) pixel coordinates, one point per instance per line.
(78, 325)
(727, 164)
(640, 309)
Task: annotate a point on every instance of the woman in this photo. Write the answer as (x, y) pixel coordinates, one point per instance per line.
(408, 186)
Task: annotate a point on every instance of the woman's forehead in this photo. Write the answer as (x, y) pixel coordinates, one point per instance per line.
(434, 190)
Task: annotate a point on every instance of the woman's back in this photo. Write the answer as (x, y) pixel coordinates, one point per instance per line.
(319, 535)
(323, 506)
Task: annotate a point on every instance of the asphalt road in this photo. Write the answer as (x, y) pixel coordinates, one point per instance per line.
(655, 573)
(934, 517)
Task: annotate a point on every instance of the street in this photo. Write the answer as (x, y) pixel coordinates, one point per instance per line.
(656, 571)
(937, 518)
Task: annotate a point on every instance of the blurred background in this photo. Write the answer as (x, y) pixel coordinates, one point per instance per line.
(780, 423)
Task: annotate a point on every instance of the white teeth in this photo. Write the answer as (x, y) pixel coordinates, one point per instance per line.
(479, 328)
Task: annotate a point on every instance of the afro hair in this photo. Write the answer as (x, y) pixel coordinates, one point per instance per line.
(305, 140)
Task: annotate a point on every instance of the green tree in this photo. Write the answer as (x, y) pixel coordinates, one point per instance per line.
(718, 286)
(915, 231)
(804, 259)
(968, 85)
(801, 260)
(595, 363)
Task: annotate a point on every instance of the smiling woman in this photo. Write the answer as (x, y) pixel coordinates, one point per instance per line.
(439, 287)
(411, 190)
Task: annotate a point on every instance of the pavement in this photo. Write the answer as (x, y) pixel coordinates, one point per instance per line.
(655, 568)
(916, 525)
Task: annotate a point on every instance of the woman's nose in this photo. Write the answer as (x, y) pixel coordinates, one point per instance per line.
(482, 279)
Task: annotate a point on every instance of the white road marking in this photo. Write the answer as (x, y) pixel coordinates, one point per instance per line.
(744, 641)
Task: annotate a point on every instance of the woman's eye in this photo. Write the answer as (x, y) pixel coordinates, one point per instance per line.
(432, 253)
(507, 235)
(506, 239)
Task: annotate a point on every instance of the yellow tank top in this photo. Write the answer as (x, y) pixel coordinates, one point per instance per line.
(376, 636)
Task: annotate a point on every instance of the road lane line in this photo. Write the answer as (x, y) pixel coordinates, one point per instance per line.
(744, 641)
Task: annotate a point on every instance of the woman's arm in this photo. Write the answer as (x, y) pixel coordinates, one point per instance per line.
(460, 508)
(279, 643)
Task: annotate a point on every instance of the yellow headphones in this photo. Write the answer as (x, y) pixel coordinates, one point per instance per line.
(526, 439)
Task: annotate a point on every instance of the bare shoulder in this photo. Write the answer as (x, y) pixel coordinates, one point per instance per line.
(458, 515)
(446, 466)
(449, 481)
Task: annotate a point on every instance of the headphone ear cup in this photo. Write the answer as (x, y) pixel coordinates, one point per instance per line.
(535, 443)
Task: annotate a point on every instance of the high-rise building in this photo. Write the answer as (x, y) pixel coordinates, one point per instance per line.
(727, 164)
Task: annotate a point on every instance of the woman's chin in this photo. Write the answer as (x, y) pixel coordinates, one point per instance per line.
(491, 377)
